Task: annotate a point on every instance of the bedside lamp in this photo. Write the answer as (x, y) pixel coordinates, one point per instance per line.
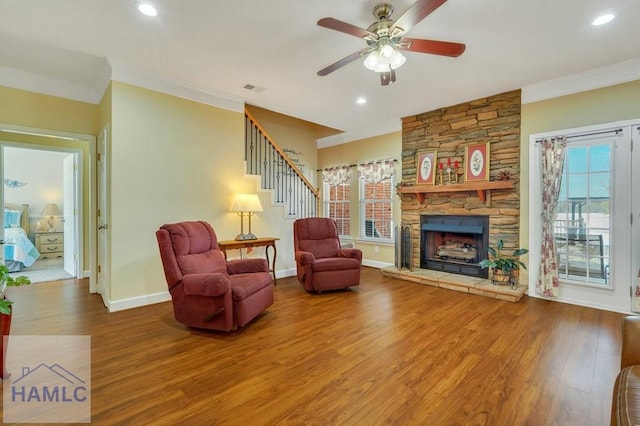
(51, 210)
(246, 204)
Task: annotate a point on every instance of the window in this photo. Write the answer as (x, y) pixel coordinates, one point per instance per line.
(337, 197)
(338, 206)
(583, 224)
(376, 209)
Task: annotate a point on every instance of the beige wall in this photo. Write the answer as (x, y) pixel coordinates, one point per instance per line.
(22, 108)
(609, 104)
(171, 160)
(369, 149)
(28, 109)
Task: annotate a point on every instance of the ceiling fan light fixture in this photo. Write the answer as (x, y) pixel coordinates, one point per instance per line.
(372, 60)
(379, 62)
(384, 40)
(386, 49)
(397, 60)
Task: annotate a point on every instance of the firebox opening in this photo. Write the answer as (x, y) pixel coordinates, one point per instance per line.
(454, 244)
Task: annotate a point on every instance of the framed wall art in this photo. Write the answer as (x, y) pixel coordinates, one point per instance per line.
(476, 158)
(426, 166)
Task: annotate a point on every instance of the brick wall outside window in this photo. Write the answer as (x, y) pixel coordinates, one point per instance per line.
(376, 209)
(337, 206)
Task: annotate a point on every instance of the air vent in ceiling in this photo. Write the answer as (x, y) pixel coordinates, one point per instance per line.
(254, 88)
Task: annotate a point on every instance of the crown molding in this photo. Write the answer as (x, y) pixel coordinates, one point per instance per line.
(93, 92)
(62, 88)
(181, 89)
(390, 126)
(622, 72)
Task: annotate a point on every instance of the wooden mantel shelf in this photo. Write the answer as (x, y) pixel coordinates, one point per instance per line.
(480, 187)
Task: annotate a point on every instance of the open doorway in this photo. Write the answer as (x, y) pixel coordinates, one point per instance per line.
(44, 183)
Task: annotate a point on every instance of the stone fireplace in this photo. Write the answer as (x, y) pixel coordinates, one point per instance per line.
(448, 130)
(454, 243)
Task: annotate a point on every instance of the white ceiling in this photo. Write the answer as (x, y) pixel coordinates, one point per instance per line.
(216, 47)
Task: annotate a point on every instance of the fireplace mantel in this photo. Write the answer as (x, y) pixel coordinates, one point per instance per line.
(480, 187)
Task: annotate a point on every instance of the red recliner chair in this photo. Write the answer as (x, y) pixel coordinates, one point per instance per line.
(320, 261)
(207, 291)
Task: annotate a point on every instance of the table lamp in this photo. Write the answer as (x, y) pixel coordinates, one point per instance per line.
(51, 210)
(246, 204)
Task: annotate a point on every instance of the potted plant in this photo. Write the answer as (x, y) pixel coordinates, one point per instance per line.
(504, 268)
(6, 281)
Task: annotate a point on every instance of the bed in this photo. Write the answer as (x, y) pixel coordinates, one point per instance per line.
(19, 251)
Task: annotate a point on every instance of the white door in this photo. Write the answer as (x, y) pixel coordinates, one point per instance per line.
(593, 224)
(70, 214)
(102, 219)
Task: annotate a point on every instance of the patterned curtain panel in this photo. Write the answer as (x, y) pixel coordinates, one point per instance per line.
(553, 151)
(337, 175)
(377, 172)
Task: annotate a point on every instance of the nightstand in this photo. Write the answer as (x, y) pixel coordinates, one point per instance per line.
(50, 244)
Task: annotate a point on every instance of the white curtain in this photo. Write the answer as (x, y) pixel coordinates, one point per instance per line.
(553, 151)
(377, 171)
(337, 175)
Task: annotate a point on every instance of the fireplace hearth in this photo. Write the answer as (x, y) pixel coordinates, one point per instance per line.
(454, 244)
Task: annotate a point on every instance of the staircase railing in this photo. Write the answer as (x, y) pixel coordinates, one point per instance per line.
(278, 173)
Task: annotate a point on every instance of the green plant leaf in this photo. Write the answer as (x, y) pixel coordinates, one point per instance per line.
(5, 306)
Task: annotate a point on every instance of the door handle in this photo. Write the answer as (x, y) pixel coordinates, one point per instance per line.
(100, 227)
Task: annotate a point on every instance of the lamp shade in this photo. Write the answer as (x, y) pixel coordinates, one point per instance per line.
(51, 210)
(246, 203)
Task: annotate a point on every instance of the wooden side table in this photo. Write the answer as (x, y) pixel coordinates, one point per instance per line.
(265, 242)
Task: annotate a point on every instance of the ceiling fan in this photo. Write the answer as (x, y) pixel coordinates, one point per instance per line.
(385, 40)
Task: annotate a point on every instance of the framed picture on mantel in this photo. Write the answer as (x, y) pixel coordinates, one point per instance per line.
(476, 158)
(426, 167)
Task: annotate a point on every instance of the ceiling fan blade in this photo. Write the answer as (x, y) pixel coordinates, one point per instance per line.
(416, 13)
(344, 61)
(343, 27)
(434, 47)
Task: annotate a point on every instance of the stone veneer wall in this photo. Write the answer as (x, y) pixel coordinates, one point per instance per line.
(495, 119)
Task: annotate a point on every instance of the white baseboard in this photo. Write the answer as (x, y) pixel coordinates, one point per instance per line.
(150, 299)
(375, 264)
(582, 303)
(139, 301)
(286, 273)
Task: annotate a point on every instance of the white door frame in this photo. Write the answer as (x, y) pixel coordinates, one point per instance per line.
(91, 141)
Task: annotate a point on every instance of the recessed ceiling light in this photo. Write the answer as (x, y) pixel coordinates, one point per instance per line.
(604, 19)
(147, 9)
(361, 100)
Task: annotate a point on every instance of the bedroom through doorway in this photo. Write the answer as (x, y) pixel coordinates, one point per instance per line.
(40, 198)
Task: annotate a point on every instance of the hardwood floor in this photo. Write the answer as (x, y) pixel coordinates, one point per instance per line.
(390, 352)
